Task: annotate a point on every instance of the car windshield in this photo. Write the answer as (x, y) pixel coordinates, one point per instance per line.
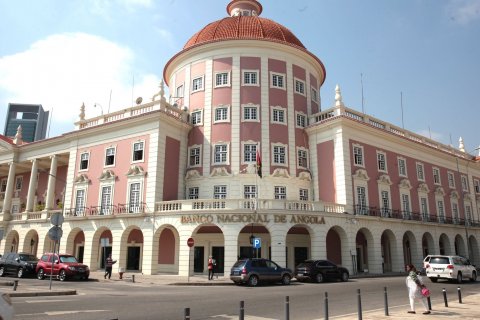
(27, 257)
(68, 259)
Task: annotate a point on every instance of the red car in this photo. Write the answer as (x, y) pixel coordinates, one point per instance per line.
(65, 267)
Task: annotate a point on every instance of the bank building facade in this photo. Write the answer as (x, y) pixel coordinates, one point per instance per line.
(240, 149)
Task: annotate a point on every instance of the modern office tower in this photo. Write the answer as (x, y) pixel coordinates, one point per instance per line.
(32, 118)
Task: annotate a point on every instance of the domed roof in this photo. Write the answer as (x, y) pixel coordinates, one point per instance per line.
(244, 28)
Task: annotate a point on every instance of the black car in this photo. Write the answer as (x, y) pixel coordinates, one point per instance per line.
(253, 271)
(320, 271)
(19, 264)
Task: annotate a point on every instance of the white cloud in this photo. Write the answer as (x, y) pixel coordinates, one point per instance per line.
(463, 11)
(65, 70)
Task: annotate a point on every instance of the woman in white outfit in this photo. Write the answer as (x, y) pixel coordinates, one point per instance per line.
(415, 284)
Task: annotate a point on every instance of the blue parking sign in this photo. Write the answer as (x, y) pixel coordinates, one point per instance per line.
(257, 243)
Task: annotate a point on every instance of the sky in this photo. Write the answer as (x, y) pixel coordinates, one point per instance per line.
(418, 61)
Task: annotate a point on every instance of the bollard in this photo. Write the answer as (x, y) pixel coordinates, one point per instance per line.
(133, 278)
(15, 285)
(445, 297)
(359, 305)
(186, 314)
(287, 308)
(242, 311)
(459, 295)
(429, 303)
(386, 300)
(326, 305)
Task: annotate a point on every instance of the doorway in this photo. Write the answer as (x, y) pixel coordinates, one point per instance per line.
(198, 256)
(133, 258)
(105, 252)
(218, 253)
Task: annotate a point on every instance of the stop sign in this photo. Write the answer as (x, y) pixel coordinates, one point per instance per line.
(190, 242)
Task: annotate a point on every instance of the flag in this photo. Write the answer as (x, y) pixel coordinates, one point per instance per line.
(259, 164)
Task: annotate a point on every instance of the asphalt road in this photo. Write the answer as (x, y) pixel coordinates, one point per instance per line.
(121, 300)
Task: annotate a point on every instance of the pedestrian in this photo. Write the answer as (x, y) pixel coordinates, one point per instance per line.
(415, 284)
(210, 267)
(108, 266)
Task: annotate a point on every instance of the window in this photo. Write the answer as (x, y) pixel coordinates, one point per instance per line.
(249, 152)
(300, 87)
(303, 194)
(451, 180)
(476, 185)
(138, 151)
(250, 113)
(105, 207)
(280, 192)
(464, 183)
(402, 167)
(278, 115)
(134, 198)
(110, 157)
(222, 79)
(301, 120)
(250, 78)
(441, 211)
(381, 162)
(193, 193)
(179, 91)
(358, 155)
(194, 156)
(221, 114)
(197, 84)
(455, 212)
(196, 117)
(80, 202)
(406, 206)
(424, 207)
(361, 201)
(468, 213)
(277, 80)
(219, 192)
(420, 172)
(302, 158)
(249, 192)
(18, 183)
(84, 160)
(314, 94)
(3, 185)
(385, 204)
(436, 176)
(220, 155)
(279, 155)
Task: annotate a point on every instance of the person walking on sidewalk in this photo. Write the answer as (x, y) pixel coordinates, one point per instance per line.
(108, 267)
(415, 284)
(210, 265)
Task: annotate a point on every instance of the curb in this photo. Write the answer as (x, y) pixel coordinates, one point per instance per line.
(43, 293)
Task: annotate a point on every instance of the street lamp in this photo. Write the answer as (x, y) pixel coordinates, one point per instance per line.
(98, 104)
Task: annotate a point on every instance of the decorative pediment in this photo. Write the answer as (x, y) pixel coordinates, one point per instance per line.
(384, 179)
(280, 173)
(361, 174)
(423, 187)
(251, 168)
(467, 196)
(107, 175)
(82, 178)
(439, 191)
(135, 171)
(405, 184)
(222, 171)
(192, 174)
(454, 195)
(305, 176)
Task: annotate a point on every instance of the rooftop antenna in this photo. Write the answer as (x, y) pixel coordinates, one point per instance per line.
(401, 106)
(133, 86)
(430, 133)
(109, 101)
(361, 82)
(49, 123)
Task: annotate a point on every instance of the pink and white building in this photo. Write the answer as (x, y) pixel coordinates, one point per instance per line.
(335, 183)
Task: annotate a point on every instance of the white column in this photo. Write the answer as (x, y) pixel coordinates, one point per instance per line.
(278, 239)
(319, 244)
(52, 179)
(7, 202)
(32, 186)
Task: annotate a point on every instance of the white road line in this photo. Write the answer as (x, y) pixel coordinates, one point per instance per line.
(233, 317)
(41, 301)
(57, 313)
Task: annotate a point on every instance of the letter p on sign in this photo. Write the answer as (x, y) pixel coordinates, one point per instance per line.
(257, 243)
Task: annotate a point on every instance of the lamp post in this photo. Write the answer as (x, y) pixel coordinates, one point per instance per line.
(98, 104)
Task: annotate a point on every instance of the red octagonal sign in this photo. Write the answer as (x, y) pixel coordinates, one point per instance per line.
(190, 242)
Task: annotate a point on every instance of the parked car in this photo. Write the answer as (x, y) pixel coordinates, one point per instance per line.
(6, 307)
(65, 267)
(449, 267)
(320, 271)
(254, 271)
(19, 264)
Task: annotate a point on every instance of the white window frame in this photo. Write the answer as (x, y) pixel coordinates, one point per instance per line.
(225, 115)
(451, 180)
(420, 171)
(299, 86)
(402, 163)
(357, 156)
(87, 153)
(114, 156)
(224, 75)
(276, 75)
(132, 207)
(468, 212)
(194, 115)
(133, 151)
(440, 210)
(436, 176)
(18, 180)
(220, 191)
(275, 112)
(314, 94)
(476, 185)
(253, 153)
(385, 203)
(274, 155)
(406, 205)
(306, 156)
(280, 192)
(455, 211)
(249, 191)
(382, 159)
(193, 193)
(180, 91)
(361, 196)
(423, 199)
(200, 86)
(303, 194)
(80, 210)
(109, 206)
(190, 149)
(257, 79)
(3, 185)
(300, 120)
(227, 153)
(464, 183)
(253, 107)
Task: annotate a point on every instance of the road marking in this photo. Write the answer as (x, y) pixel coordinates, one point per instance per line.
(233, 317)
(43, 301)
(57, 313)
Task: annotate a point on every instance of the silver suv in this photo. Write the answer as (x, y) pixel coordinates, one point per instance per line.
(449, 267)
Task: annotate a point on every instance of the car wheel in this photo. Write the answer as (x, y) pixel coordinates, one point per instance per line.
(344, 277)
(433, 280)
(2, 271)
(286, 279)
(474, 276)
(459, 277)
(319, 278)
(20, 273)
(253, 281)
(62, 276)
(40, 274)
